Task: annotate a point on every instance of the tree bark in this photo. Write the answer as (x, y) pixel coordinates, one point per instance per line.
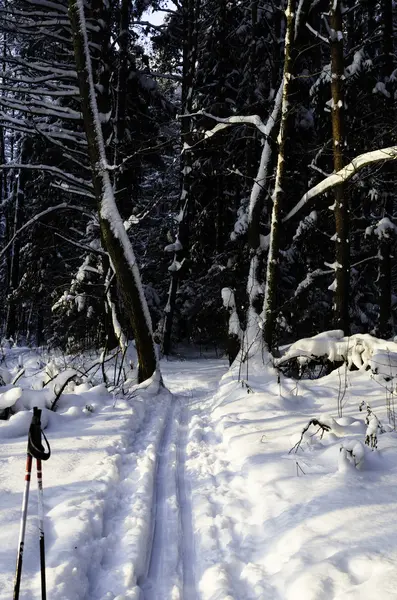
(18, 206)
(269, 305)
(190, 24)
(114, 236)
(384, 326)
(341, 211)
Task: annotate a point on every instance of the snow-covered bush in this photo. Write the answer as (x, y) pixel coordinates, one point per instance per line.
(359, 351)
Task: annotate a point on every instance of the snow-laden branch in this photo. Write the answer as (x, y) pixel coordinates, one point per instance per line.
(47, 4)
(57, 71)
(77, 181)
(317, 34)
(224, 122)
(343, 175)
(33, 220)
(42, 109)
(72, 91)
(20, 125)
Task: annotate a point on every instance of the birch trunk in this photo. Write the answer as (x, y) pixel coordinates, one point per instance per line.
(114, 236)
(269, 305)
(342, 251)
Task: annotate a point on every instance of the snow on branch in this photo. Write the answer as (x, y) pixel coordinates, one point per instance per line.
(358, 163)
(33, 220)
(224, 122)
(20, 125)
(71, 91)
(40, 108)
(48, 4)
(68, 177)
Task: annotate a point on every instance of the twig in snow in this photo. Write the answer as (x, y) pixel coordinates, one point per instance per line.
(321, 427)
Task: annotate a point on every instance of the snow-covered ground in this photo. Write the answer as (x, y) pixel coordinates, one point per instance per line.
(193, 494)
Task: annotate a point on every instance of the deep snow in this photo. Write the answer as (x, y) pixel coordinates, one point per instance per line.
(193, 494)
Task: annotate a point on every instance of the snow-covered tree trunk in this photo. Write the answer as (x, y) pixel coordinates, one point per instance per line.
(270, 299)
(190, 10)
(255, 210)
(114, 235)
(341, 210)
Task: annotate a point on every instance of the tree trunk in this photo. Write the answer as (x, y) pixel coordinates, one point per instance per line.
(122, 178)
(342, 269)
(179, 266)
(270, 300)
(114, 236)
(11, 321)
(18, 206)
(384, 326)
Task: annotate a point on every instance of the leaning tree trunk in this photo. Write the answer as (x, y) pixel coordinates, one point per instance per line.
(270, 300)
(341, 211)
(114, 236)
(179, 265)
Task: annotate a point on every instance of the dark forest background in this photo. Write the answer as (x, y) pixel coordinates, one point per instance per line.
(198, 207)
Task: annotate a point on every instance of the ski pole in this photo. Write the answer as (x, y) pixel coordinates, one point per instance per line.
(22, 527)
(35, 450)
(41, 528)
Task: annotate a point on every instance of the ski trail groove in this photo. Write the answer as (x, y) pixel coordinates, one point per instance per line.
(170, 572)
(114, 540)
(186, 552)
(159, 510)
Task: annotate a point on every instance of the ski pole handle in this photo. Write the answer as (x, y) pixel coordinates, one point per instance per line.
(35, 447)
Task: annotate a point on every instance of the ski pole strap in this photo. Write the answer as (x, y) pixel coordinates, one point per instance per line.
(35, 447)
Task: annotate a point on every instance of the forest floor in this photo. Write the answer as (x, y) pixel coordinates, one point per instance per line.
(193, 494)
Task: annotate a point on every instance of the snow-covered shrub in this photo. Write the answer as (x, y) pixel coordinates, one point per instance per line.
(359, 351)
(374, 426)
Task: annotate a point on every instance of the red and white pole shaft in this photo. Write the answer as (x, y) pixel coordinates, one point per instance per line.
(22, 528)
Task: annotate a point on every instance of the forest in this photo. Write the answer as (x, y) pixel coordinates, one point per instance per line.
(198, 299)
(222, 174)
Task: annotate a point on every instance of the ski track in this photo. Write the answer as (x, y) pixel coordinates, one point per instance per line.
(187, 550)
(160, 550)
(170, 566)
(118, 521)
(138, 541)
